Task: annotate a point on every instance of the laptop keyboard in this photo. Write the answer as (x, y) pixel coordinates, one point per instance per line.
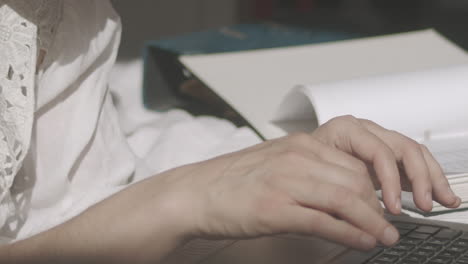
(420, 244)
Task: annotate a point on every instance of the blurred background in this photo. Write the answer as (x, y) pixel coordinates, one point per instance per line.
(157, 19)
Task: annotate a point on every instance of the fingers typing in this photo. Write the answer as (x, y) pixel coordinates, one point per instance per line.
(357, 140)
(421, 169)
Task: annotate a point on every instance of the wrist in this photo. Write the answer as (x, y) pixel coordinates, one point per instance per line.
(180, 202)
(176, 212)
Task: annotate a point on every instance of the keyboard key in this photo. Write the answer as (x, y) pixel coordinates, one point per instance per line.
(447, 234)
(447, 253)
(440, 260)
(417, 235)
(388, 258)
(402, 246)
(404, 228)
(431, 247)
(373, 252)
(461, 243)
(396, 252)
(378, 262)
(427, 229)
(423, 253)
(409, 262)
(410, 241)
(403, 232)
(464, 235)
(456, 249)
(415, 258)
(439, 241)
(424, 244)
(403, 225)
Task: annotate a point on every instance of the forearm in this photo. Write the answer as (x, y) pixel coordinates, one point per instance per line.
(121, 229)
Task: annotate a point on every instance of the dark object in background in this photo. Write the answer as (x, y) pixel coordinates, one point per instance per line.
(376, 17)
(167, 84)
(156, 19)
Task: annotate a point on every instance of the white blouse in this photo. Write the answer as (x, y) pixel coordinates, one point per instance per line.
(62, 141)
(26, 29)
(75, 143)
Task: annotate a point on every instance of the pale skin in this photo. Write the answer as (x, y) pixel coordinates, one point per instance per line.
(319, 184)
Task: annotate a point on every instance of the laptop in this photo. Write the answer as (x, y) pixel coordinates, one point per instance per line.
(421, 241)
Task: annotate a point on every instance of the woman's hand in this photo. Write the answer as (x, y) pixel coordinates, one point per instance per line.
(315, 184)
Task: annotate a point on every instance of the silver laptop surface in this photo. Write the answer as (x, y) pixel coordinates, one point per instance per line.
(422, 241)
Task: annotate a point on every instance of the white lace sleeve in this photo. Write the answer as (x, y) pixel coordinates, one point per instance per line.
(21, 23)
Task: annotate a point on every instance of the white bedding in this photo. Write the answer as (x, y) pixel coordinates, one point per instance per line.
(170, 139)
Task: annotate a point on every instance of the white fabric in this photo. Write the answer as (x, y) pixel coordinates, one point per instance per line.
(16, 97)
(79, 153)
(167, 140)
(26, 29)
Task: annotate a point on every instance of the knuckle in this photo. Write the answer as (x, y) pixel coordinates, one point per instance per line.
(393, 134)
(341, 198)
(367, 121)
(341, 123)
(346, 119)
(424, 148)
(360, 168)
(289, 156)
(361, 187)
(299, 139)
(407, 144)
(385, 152)
(364, 189)
(270, 179)
(411, 146)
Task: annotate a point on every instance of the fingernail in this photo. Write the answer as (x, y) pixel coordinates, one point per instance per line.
(449, 189)
(367, 241)
(457, 202)
(391, 236)
(454, 198)
(398, 204)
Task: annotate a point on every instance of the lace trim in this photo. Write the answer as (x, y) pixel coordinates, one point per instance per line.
(26, 27)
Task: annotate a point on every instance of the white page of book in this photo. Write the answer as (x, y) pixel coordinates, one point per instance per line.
(422, 105)
(255, 82)
(452, 154)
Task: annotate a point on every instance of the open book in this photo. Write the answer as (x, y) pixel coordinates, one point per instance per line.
(415, 83)
(430, 106)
